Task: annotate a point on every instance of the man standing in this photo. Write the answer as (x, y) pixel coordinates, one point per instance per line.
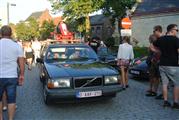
(11, 56)
(94, 43)
(168, 66)
(36, 46)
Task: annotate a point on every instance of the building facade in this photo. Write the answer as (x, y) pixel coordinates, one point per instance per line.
(44, 16)
(150, 13)
(101, 27)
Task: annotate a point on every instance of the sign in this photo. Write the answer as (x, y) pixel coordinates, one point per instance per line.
(89, 94)
(126, 32)
(126, 23)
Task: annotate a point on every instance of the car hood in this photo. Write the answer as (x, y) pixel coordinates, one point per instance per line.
(142, 66)
(79, 69)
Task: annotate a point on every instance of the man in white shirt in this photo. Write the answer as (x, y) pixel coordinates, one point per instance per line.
(11, 56)
(36, 46)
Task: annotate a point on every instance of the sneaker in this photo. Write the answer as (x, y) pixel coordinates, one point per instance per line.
(4, 108)
(159, 97)
(127, 86)
(175, 106)
(123, 88)
(151, 94)
(149, 91)
(166, 104)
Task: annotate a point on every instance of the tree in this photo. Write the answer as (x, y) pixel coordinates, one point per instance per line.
(27, 30)
(34, 28)
(22, 31)
(78, 10)
(46, 29)
(13, 30)
(117, 9)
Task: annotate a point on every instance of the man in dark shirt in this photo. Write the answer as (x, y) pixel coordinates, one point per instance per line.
(169, 67)
(95, 43)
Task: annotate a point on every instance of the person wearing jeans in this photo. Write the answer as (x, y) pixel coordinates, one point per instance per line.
(11, 57)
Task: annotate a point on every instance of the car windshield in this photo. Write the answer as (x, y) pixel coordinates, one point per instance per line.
(104, 51)
(70, 53)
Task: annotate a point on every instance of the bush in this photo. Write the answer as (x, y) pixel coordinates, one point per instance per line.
(140, 51)
(110, 42)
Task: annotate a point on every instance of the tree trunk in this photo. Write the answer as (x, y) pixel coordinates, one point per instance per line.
(87, 22)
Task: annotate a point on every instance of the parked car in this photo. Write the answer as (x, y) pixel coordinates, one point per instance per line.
(73, 72)
(107, 56)
(139, 68)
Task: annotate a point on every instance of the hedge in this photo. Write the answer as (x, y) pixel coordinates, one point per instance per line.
(138, 51)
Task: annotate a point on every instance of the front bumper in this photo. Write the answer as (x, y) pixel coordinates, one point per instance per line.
(69, 95)
(139, 73)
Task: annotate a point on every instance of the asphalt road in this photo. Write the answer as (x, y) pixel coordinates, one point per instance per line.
(131, 104)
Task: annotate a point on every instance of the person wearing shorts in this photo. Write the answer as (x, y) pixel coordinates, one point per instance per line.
(10, 59)
(125, 54)
(168, 65)
(152, 61)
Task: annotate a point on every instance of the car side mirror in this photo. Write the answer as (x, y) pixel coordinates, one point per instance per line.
(39, 60)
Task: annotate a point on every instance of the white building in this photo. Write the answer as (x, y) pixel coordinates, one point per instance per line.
(150, 13)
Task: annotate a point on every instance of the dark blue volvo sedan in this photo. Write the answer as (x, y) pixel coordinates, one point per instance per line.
(73, 72)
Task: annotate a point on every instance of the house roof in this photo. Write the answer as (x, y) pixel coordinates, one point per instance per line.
(149, 7)
(35, 15)
(56, 20)
(97, 19)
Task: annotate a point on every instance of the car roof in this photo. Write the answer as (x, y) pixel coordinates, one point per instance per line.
(65, 45)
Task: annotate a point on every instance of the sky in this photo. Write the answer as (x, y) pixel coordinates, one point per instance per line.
(22, 10)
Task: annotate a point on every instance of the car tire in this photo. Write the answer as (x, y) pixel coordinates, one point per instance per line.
(46, 97)
(41, 79)
(112, 95)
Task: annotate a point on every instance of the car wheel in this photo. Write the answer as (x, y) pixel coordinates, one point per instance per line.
(41, 79)
(46, 97)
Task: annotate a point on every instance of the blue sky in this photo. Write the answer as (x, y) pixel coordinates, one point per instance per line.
(22, 9)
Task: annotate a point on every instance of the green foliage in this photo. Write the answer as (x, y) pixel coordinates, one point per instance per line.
(22, 31)
(117, 8)
(77, 10)
(27, 30)
(46, 28)
(140, 51)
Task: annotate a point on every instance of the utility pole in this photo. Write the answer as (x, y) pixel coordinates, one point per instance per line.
(8, 13)
(8, 4)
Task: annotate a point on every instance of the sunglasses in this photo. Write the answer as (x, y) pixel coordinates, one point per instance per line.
(175, 29)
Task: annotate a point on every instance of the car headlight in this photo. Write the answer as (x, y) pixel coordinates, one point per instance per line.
(59, 83)
(111, 79)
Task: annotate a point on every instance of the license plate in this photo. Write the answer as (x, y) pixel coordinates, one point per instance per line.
(88, 94)
(135, 72)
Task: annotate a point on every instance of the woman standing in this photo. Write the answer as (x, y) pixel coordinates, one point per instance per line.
(125, 54)
(28, 54)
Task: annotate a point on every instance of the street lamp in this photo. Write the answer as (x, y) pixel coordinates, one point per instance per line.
(8, 11)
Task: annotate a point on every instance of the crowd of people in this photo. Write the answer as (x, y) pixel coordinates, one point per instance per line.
(162, 60)
(163, 64)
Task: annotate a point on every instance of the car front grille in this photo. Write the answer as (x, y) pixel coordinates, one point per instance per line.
(87, 82)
